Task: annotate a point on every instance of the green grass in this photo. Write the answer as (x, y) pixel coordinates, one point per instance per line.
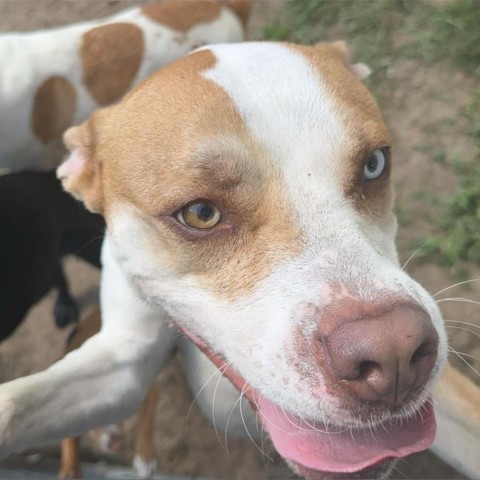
(452, 33)
(380, 31)
(458, 223)
(374, 29)
(366, 25)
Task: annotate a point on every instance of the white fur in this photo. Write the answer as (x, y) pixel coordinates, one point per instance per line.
(103, 381)
(142, 468)
(106, 437)
(28, 59)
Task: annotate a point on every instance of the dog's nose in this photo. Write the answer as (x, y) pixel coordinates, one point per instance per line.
(382, 358)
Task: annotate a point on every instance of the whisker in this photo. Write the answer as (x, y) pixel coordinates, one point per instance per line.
(228, 420)
(452, 350)
(456, 285)
(200, 391)
(395, 467)
(222, 371)
(458, 299)
(85, 245)
(463, 328)
(466, 363)
(464, 354)
(414, 253)
(248, 431)
(464, 323)
(295, 425)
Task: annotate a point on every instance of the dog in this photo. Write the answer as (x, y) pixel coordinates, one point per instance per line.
(246, 190)
(55, 78)
(41, 224)
(111, 438)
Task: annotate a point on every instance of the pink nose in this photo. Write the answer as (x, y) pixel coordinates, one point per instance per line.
(384, 357)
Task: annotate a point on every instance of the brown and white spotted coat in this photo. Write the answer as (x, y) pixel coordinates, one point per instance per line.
(55, 78)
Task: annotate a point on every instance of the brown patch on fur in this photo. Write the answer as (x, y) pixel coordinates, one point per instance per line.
(144, 440)
(183, 15)
(53, 108)
(70, 458)
(111, 55)
(196, 146)
(362, 119)
(242, 8)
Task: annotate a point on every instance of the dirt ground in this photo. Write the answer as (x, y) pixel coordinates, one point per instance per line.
(190, 446)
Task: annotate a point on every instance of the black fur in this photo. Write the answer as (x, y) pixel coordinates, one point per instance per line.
(39, 224)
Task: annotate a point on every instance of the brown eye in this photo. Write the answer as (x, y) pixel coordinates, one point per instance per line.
(200, 214)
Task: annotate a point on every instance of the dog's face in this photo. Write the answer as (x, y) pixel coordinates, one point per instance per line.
(247, 191)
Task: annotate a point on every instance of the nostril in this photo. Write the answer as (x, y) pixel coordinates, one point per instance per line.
(367, 368)
(424, 350)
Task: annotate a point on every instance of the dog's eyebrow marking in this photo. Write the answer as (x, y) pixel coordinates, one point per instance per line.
(106, 76)
(54, 108)
(225, 162)
(221, 172)
(184, 15)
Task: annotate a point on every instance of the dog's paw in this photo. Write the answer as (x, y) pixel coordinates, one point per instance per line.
(65, 312)
(143, 468)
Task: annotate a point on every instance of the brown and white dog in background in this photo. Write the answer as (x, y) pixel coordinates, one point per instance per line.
(52, 79)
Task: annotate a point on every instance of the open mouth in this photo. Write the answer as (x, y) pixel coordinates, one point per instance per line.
(314, 449)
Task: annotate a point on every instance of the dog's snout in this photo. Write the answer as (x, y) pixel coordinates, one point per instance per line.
(384, 357)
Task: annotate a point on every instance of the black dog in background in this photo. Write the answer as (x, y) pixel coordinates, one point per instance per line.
(39, 224)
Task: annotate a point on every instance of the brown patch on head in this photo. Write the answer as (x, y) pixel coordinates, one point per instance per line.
(53, 108)
(111, 55)
(182, 15)
(188, 142)
(242, 9)
(363, 122)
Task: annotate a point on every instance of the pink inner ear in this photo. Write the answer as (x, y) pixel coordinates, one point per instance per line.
(360, 70)
(74, 164)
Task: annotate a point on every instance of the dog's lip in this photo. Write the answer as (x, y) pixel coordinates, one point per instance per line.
(313, 447)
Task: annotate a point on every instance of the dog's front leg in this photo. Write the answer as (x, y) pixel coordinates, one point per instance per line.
(102, 382)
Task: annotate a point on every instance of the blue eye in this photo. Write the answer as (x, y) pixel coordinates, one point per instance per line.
(375, 165)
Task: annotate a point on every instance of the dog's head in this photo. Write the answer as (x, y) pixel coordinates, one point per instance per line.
(247, 191)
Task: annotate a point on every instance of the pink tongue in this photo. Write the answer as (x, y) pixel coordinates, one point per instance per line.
(310, 445)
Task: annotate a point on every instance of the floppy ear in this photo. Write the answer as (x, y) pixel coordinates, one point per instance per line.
(360, 70)
(81, 172)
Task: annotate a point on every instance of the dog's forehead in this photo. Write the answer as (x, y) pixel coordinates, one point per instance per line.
(282, 102)
(295, 117)
(298, 101)
(301, 106)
